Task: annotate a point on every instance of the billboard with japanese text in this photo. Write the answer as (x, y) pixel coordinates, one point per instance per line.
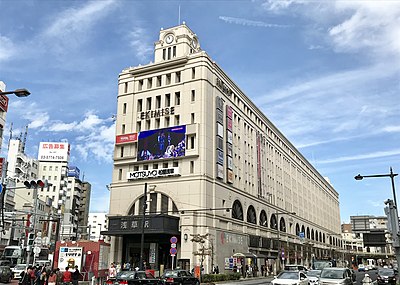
(53, 151)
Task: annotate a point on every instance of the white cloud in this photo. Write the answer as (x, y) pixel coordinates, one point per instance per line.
(137, 39)
(378, 154)
(91, 121)
(7, 48)
(245, 22)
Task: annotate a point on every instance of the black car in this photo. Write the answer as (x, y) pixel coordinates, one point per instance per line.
(6, 275)
(181, 277)
(386, 276)
(134, 278)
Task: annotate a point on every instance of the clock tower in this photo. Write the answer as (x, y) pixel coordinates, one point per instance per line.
(175, 42)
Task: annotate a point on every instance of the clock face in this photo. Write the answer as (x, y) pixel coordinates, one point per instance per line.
(169, 38)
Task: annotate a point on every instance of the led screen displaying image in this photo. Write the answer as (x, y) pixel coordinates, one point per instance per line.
(161, 143)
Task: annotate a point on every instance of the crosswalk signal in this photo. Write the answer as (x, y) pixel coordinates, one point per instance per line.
(31, 238)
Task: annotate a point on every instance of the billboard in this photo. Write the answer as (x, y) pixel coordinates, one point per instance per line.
(69, 257)
(73, 171)
(51, 151)
(374, 239)
(162, 143)
(127, 138)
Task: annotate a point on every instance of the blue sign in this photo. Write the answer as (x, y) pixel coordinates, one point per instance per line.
(1, 188)
(74, 171)
(301, 235)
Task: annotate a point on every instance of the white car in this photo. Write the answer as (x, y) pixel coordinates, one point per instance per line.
(313, 276)
(290, 278)
(17, 270)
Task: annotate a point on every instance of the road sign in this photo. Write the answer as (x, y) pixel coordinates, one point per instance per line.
(174, 239)
(172, 251)
(36, 250)
(38, 241)
(173, 245)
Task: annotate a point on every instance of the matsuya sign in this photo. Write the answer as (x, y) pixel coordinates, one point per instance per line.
(153, 173)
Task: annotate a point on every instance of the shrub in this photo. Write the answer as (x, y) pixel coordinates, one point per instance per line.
(220, 277)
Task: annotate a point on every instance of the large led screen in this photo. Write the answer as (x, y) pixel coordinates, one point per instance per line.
(161, 143)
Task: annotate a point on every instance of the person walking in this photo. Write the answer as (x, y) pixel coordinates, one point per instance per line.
(67, 276)
(112, 272)
(26, 276)
(52, 279)
(75, 276)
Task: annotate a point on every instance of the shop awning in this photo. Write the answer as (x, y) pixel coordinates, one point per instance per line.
(245, 254)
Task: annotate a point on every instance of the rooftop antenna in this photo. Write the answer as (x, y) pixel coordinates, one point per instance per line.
(179, 15)
(10, 138)
(83, 176)
(24, 140)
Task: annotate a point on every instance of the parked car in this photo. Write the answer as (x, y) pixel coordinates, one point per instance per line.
(175, 277)
(290, 278)
(313, 276)
(134, 278)
(17, 270)
(386, 276)
(336, 276)
(295, 267)
(6, 274)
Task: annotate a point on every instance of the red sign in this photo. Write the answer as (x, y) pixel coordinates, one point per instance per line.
(4, 103)
(1, 166)
(173, 239)
(128, 138)
(172, 251)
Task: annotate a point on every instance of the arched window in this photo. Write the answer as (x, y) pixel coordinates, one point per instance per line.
(251, 215)
(282, 225)
(237, 211)
(312, 234)
(297, 229)
(316, 236)
(263, 219)
(308, 233)
(273, 222)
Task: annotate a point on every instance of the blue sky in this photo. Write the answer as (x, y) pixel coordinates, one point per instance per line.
(326, 73)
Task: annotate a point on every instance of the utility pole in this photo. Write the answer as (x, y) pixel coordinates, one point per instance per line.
(393, 227)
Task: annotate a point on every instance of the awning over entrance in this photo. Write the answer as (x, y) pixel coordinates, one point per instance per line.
(246, 254)
(154, 224)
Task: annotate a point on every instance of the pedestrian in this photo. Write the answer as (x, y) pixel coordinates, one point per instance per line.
(366, 280)
(52, 279)
(42, 278)
(112, 272)
(262, 270)
(67, 276)
(59, 276)
(75, 276)
(26, 276)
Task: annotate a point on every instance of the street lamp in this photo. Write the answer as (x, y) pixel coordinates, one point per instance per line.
(392, 175)
(278, 231)
(18, 92)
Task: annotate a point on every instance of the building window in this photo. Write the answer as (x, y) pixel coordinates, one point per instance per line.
(44, 167)
(190, 141)
(192, 166)
(126, 87)
(193, 97)
(177, 120)
(148, 103)
(124, 109)
(159, 81)
(123, 128)
(140, 105)
(138, 126)
(155, 166)
(145, 167)
(157, 123)
(149, 83)
(120, 174)
(177, 98)
(174, 51)
(165, 165)
(169, 53)
(175, 164)
(122, 152)
(136, 168)
(147, 124)
(178, 77)
(166, 122)
(56, 168)
(140, 85)
(164, 51)
(193, 73)
(192, 118)
(158, 102)
(168, 79)
(50, 168)
(167, 100)
(55, 177)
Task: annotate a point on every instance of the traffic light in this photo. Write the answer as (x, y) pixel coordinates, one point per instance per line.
(31, 238)
(35, 184)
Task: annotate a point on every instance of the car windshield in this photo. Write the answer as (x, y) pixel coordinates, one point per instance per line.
(321, 264)
(171, 274)
(313, 273)
(386, 272)
(332, 274)
(288, 275)
(125, 274)
(20, 267)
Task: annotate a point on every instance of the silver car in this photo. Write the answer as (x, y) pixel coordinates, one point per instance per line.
(313, 276)
(335, 276)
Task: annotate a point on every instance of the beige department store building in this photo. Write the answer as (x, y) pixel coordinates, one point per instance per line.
(214, 166)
